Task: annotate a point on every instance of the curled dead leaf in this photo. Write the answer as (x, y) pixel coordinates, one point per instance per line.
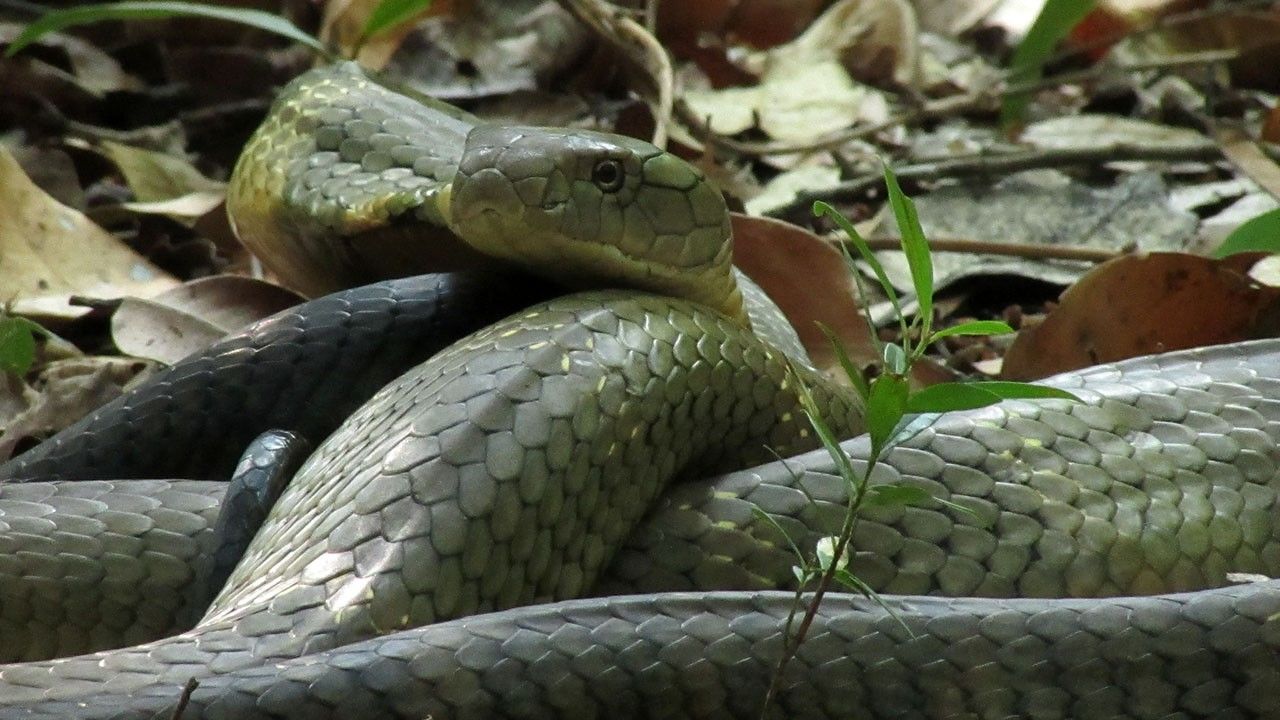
(194, 315)
(49, 252)
(1143, 304)
(808, 279)
(66, 391)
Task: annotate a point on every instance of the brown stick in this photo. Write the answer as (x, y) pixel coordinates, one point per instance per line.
(987, 247)
(183, 699)
(1005, 163)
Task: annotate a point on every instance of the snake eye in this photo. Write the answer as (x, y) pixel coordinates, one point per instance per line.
(608, 175)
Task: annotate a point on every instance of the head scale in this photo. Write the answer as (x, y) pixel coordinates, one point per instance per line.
(594, 210)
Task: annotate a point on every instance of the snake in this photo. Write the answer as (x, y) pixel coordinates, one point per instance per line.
(586, 507)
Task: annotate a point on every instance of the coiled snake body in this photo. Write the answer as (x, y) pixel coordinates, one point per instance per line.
(530, 463)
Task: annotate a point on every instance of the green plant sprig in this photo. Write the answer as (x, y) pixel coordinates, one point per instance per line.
(889, 407)
(387, 16)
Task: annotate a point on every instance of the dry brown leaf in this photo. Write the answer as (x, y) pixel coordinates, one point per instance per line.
(344, 21)
(875, 41)
(194, 315)
(49, 252)
(808, 279)
(642, 56)
(156, 176)
(1245, 154)
(1143, 304)
(684, 27)
(91, 68)
(67, 390)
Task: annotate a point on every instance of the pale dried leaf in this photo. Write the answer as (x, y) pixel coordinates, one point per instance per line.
(1135, 212)
(817, 99)
(66, 391)
(194, 315)
(155, 176)
(782, 189)
(875, 41)
(952, 17)
(50, 252)
(1244, 152)
(185, 208)
(1102, 131)
(92, 69)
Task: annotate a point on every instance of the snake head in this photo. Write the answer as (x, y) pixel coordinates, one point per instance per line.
(594, 210)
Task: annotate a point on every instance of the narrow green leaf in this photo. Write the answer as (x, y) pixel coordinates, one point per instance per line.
(1024, 391)
(1056, 19)
(821, 209)
(977, 327)
(897, 495)
(801, 575)
(962, 509)
(851, 371)
(828, 439)
(62, 19)
(851, 581)
(769, 519)
(949, 397)
(392, 13)
(17, 345)
(856, 584)
(895, 359)
(916, 248)
(886, 405)
(1259, 234)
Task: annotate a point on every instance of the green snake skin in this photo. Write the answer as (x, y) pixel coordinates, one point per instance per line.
(537, 460)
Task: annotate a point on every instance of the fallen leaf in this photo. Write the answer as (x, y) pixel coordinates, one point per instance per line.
(876, 41)
(1245, 154)
(155, 176)
(1144, 304)
(1102, 131)
(798, 106)
(49, 252)
(194, 315)
(1134, 212)
(950, 18)
(93, 70)
(344, 23)
(66, 391)
(685, 26)
(186, 209)
(487, 50)
(808, 279)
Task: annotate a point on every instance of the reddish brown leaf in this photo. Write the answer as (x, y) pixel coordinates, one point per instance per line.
(1144, 304)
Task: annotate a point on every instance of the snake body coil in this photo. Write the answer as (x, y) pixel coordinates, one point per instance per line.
(530, 463)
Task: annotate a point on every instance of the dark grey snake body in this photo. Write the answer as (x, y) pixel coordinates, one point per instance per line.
(529, 463)
(1202, 445)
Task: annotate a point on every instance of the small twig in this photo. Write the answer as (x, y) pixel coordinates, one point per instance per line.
(639, 49)
(651, 16)
(938, 108)
(184, 699)
(1003, 164)
(1207, 57)
(987, 247)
